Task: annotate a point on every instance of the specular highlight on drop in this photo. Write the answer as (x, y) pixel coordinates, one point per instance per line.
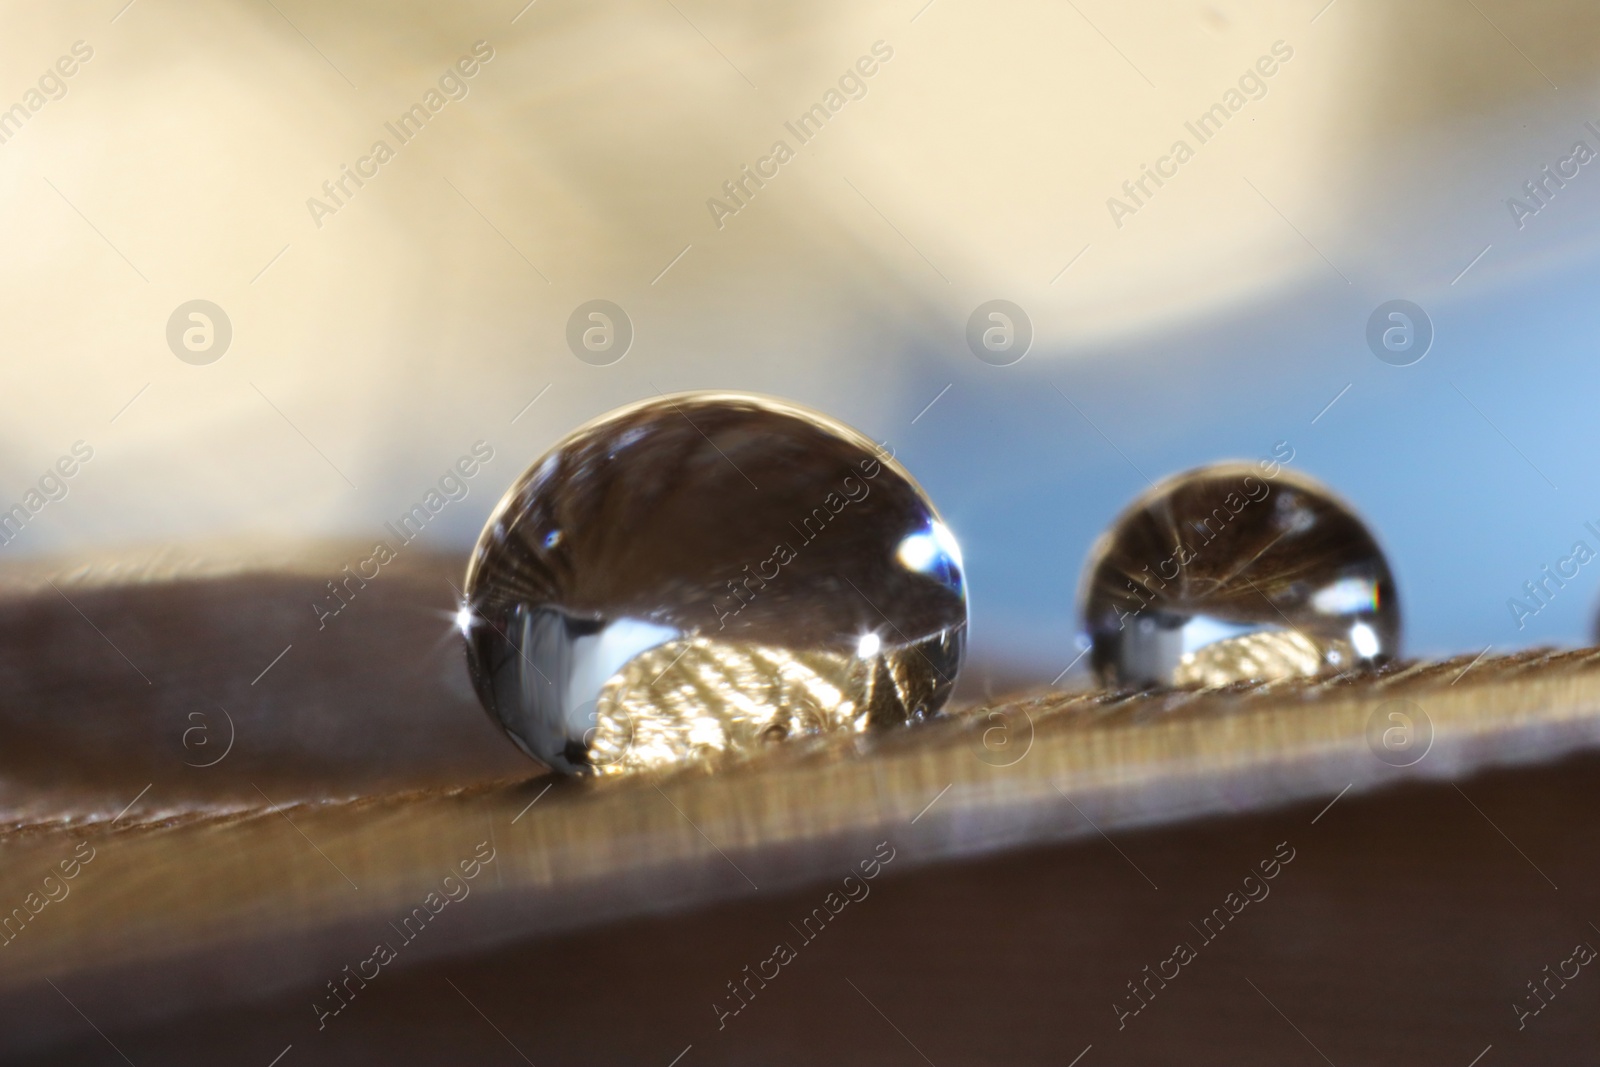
(692, 578)
(1237, 572)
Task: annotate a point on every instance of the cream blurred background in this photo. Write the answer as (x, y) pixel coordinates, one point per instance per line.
(371, 351)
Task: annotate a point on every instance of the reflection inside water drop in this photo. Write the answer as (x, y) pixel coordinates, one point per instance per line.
(1230, 574)
(691, 577)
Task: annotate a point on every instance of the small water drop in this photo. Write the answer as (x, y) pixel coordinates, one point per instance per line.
(1224, 575)
(730, 570)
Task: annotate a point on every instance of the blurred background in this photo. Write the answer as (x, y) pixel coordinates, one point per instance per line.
(370, 334)
(270, 268)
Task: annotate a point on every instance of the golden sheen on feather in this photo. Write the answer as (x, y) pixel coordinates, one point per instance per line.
(689, 579)
(1237, 572)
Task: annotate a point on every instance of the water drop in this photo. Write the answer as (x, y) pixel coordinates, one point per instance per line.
(731, 570)
(1225, 574)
